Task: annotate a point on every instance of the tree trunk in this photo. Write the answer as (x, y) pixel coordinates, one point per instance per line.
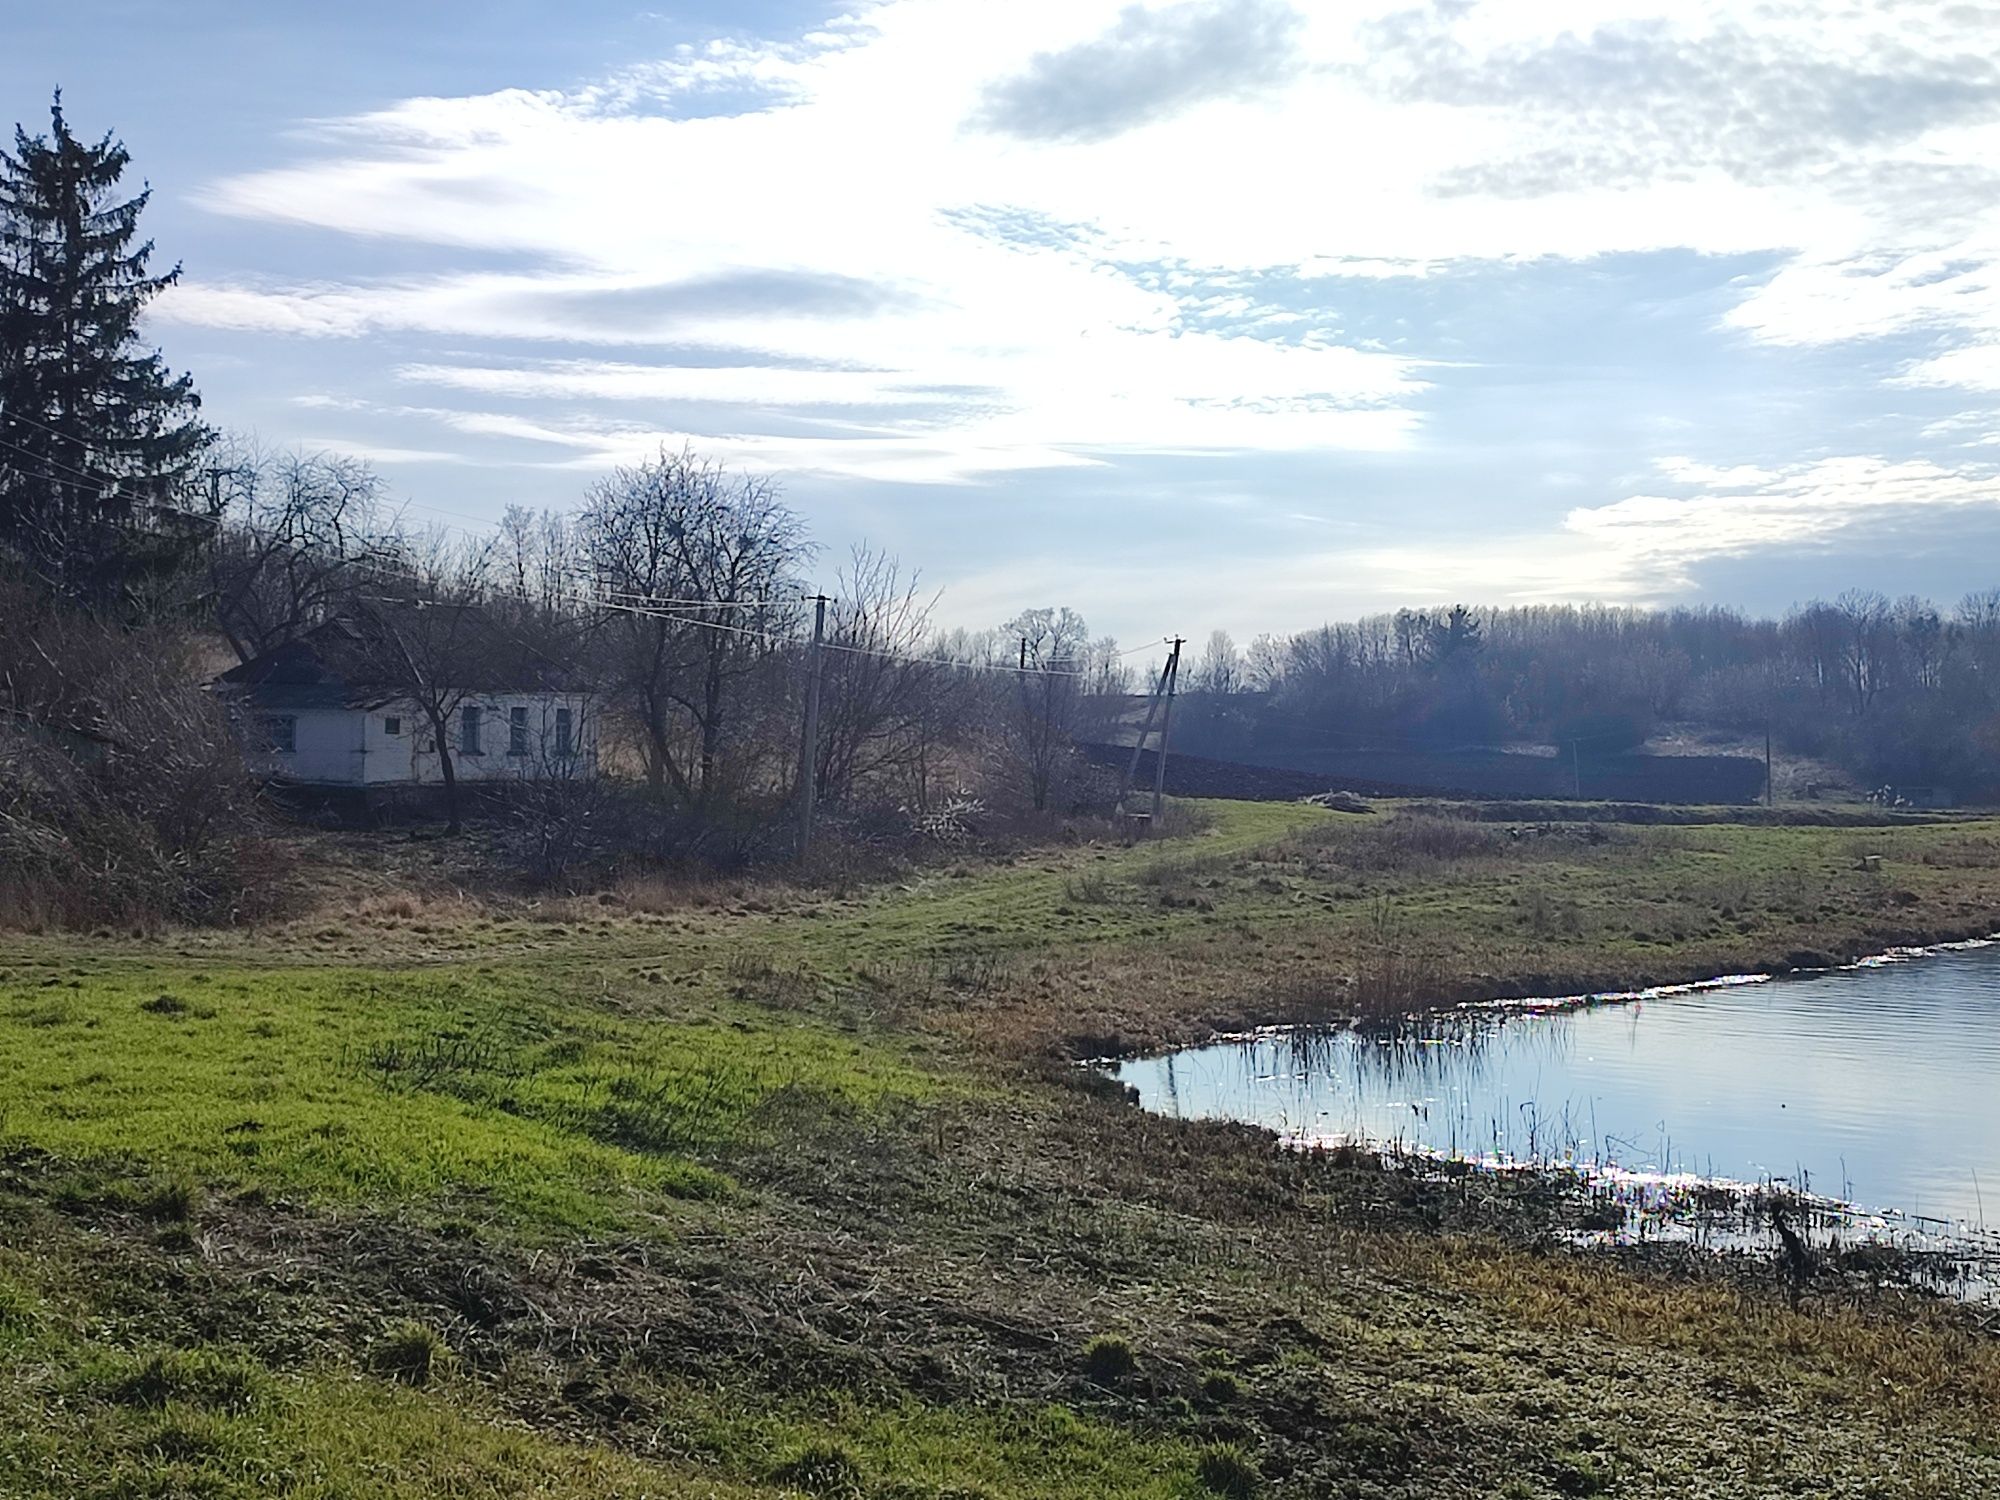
(450, 774)
(711, 724)
(656, 748)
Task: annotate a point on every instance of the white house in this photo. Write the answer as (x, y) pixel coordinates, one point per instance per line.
(345, 705)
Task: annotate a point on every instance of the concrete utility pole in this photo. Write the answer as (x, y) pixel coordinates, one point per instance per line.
(1166, 728)
(1768, 797)
(1576, 768)
(809, 745)
(1139, 745)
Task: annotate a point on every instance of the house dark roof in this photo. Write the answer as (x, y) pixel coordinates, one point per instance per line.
(363, 657)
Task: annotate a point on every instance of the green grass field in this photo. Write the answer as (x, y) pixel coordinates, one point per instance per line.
(519, 1094)
(769, 1190)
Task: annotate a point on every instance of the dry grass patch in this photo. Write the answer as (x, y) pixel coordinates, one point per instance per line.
(1904, 1359)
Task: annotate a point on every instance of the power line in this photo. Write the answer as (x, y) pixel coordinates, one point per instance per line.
(104, 482)
(949, 661)
(775, 638)
(399, 505)
(851, 650)
(654, 601)
(626, 601)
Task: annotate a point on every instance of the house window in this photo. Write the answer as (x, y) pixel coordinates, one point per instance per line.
(392, 725)
(281, 733)
(517, 731)
(468, 730)
(562, 732)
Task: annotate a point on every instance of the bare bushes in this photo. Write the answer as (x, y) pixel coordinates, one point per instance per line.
(122, 798)
(1407, 841)
(1416, 840)
(1396, 972)
(565, 817)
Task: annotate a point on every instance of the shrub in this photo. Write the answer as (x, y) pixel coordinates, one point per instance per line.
(1090, 889)
(123, 798)
(1394, 976)
(1109, 1360)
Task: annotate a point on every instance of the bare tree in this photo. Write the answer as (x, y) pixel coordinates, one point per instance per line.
(539, 560)
(298, 529)
(1926, 642)
(1264, 663)
(884, 695)
(1106, 691)
(433, 646)
(1977, 625)
(700, 568)
(1867, 641)
(1220, 670)
(1053, 666)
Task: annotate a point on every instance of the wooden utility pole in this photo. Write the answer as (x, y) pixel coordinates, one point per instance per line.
(1166, 727)
(1576, 768)
(809, 745)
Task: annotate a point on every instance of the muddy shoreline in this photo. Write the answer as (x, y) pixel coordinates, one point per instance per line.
(1541, 993)
(1598, 1207)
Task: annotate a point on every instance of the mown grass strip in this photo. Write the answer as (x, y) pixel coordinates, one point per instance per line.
(397, 1088)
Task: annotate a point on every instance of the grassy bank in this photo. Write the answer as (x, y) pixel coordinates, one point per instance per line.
(778, 1190)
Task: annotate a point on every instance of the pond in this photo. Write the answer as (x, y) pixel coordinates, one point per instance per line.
(1878, 1085)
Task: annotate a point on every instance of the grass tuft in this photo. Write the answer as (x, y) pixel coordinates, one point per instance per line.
(823, 1468)
(1109, 1361)
(1227, 1469)
(411, 1354)
(170, 1200)
(173, 1005)
(18, 1312)
(1580, 1473)
(201, 1378)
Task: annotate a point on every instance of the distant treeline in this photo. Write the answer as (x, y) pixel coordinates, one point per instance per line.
(1903, 692)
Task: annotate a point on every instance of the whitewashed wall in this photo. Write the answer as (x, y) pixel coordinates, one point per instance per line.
(327, 746)
(409, 761)
(350, 747)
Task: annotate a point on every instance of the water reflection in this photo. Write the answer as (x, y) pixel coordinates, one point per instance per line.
(1876, 1085)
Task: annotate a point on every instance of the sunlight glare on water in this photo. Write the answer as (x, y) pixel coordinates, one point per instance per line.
(1879, 1085)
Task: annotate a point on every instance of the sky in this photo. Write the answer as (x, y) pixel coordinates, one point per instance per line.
(1238, 314)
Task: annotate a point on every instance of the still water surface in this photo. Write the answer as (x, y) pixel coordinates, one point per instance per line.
(1879, 1085)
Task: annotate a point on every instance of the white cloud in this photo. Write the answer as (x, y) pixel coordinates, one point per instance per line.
(945, 240)
(379, 453)
(1652, 542)
(1974, 368)
(1329, 137)
(588, 445)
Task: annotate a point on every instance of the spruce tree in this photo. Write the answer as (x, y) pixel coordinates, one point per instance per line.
(99, 442)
